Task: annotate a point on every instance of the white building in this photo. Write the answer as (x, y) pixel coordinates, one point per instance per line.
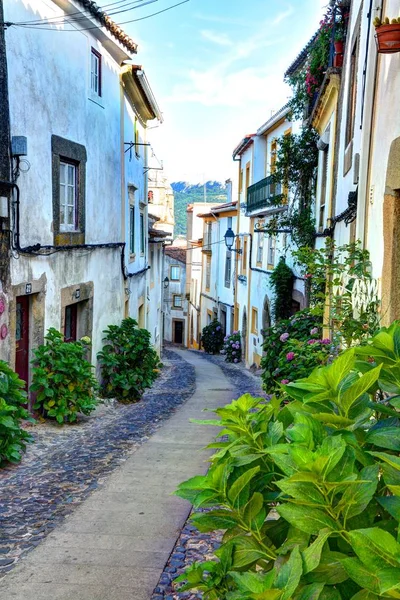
(161, 198)
(175, 301)
(78, 193)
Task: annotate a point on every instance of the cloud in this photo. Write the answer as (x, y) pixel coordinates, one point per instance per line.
(224, 20)
(284, 15)
(216, 38)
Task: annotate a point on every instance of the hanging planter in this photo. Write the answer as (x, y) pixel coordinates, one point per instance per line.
(387, 36)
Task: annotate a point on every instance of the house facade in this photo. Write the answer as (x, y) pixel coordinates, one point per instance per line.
(76, 194)
(175, 301)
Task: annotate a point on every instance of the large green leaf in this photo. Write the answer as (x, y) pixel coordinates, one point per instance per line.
(217, 519)
(252, 582)
(310, 592)
(310, 521)
(386, 437)
(378, 581)
(247, 551)
(330, 569)
(238, 493)
(302, 492)
(253, 507)
(289, 575)
(312, 555)
(391, 504)
(390, 459)
(364, 595)
(376, 548)
(364, 383)
(339, 368)
(358, 495)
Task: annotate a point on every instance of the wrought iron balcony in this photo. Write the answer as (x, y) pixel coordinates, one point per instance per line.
(260, 195)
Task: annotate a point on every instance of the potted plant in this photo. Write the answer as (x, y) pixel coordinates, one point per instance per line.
(387, 35)
(338, 45)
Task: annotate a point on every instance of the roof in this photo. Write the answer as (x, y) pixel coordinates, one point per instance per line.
(220, 209)
(280, 114)
(300, 59)
(243, 145)
(101, 16)
(176, 253)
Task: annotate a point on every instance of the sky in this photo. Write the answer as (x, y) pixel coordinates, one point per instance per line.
(216, 68)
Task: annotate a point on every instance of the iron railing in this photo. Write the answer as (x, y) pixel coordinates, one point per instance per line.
(261, 194)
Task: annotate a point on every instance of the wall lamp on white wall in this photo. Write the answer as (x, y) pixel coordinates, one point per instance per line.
(166, 282)
(229, 239)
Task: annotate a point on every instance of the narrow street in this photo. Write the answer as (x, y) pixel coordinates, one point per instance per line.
(116, 543)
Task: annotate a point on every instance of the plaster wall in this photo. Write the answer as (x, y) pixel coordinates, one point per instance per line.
(155, 289)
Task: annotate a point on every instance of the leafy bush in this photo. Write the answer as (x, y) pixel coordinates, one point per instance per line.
(282, 279)
(232, 348)
(13, 438)
(63, 379)
(212, 337)
(308, 493)
(129, 364)
(293, 348)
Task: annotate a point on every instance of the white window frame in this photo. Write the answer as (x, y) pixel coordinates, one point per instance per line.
(65, 201)
(95, 72)
(174, 305)
(172, 270)
(271, 251)
(228, 268)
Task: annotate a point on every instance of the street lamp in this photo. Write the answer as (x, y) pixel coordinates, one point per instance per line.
(166, 283)
(229, 239)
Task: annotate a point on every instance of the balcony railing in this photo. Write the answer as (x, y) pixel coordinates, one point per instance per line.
(260, 195)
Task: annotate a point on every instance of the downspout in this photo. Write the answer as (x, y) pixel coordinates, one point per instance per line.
(5, 158)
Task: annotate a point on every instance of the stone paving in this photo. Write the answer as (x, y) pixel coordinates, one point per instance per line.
(192, 545)
(66, 464)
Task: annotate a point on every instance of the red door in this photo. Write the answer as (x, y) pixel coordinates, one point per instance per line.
(70, 322)
(22, 339)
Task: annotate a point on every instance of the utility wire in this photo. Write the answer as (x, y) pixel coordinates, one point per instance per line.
(60, 20)
(43, 28)
(79, 13)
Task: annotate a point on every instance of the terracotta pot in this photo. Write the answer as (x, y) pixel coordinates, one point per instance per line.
(338, 60)
(388, 38)
(338, 47)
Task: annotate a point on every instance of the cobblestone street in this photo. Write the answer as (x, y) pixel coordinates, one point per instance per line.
(64, 466)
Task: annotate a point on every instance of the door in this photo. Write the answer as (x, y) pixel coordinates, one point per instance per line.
(71, 313)
(22, 339)
(178, 332)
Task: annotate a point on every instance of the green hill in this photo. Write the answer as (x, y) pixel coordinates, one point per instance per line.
(186, 193)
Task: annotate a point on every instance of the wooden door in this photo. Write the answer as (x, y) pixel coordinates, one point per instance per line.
(71, 313)
(22, 339)
(178, 332)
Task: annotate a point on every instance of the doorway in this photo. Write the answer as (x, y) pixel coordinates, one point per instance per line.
(177, 332)
(22, 339)
(71, 318)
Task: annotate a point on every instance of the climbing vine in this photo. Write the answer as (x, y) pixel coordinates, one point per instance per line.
(282, 280)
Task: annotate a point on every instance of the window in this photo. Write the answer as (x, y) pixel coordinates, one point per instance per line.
(208, 273)
(142, 234)
(207, 237)
(260, 248)
(175, 273)
(352, 95)
(247, 175)
(324, 190)
(177, 301)
(68, 196)
(271, 252)
(228, 268)
(241, 181)
(68, 176)
(244, 257)
(254, 320)
(71, 313)
(95, 72)
(132, 229)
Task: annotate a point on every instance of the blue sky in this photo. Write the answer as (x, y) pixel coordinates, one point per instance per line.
(216, 68)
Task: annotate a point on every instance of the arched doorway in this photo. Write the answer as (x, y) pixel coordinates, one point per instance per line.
(244, 334)
(266, 314)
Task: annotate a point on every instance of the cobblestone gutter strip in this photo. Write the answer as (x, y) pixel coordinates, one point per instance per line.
(192, 545)
(66, 464)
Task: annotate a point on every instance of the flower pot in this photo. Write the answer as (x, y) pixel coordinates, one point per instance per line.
(338, 60)
(338, 47)
(388, 38)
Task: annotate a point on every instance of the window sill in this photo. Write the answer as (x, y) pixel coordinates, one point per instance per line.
(96, 100)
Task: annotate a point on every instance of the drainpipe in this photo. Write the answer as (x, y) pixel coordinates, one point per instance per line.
(5, 158)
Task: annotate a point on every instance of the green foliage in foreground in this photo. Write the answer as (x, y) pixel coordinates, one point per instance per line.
(13, 438)
(308, 491)
(63, 379)
(128, 362)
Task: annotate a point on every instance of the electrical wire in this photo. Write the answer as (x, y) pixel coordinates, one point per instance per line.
(44, 28)
(78, 13)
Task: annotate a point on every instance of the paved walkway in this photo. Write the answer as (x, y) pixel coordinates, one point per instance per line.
(115, 545)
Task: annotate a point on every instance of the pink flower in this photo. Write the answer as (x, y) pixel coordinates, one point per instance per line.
(290, 356)
(284, 381)
(284, 337)
(235, 360)
(314, 331)
(311, 341)
(326, 341)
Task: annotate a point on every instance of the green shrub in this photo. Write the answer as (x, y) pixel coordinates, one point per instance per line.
(292, 349)
(308, 492)
(63, 379)
(282, 280)
(13, 438)
(232, 349)
(129, 364)
(212, 337)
